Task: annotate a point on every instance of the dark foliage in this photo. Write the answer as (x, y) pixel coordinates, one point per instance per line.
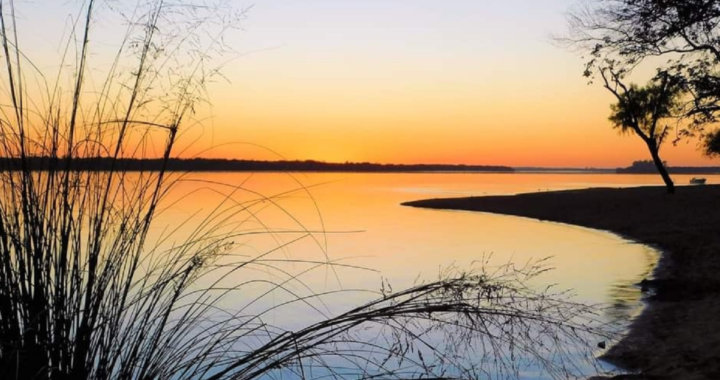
(712, 144)
(646, 112)
(622, 34)
(219, 165)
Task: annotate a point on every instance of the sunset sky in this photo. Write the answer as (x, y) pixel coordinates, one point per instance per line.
(413, 81)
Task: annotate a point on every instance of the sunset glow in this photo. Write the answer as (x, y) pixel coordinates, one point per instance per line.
(404, 82)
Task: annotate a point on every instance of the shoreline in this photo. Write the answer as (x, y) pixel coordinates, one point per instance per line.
(677, 335)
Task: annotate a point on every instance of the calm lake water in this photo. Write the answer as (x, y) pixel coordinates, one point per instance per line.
(296, 222)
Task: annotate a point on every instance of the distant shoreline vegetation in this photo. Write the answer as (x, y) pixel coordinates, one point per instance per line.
(647, 167)
(231, 165)
(226, 165)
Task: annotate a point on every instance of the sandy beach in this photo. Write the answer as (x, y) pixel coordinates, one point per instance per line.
(678, 334)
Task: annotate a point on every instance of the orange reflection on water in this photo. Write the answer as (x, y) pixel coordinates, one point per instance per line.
(294, 222)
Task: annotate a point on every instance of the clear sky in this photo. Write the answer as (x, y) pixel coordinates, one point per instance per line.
(410, 81)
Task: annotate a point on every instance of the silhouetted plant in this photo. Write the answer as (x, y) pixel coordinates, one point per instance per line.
(712, 143)
(646, 112)
(685, 33)
(84, 295)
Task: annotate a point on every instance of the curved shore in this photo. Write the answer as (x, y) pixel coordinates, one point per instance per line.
(678, 334)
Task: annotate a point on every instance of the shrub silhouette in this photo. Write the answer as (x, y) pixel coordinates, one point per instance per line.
(85, 295)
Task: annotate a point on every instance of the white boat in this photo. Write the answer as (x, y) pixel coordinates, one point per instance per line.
(698, 181)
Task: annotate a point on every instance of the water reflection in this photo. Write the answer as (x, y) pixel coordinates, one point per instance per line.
(625, 297)
(292, 226)
(366, 227)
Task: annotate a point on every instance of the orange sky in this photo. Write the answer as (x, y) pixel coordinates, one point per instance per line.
(513, 116)
(456, 82)
(407, 81)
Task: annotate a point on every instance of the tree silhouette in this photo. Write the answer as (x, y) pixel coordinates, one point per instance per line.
(685, 33)
(645, 112)
(712, 144)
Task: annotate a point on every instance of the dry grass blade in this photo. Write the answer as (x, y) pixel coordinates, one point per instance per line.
(84, 295)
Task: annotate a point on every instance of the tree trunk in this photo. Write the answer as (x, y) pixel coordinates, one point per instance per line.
(661, 168)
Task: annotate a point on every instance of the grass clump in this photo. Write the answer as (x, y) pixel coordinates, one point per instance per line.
(85, 295)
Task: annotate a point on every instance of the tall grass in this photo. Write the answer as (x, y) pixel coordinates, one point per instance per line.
(85, 295)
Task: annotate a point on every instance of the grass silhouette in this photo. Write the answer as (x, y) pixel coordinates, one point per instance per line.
(85, 295)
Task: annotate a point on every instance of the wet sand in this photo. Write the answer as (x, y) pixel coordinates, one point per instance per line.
(678, 335)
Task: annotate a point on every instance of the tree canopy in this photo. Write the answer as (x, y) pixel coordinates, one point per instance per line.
(646, 112)
(712, 144)
(621, 34)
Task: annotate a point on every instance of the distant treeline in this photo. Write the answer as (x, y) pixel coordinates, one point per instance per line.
(569, 170)
(224, 165)
(648, 167)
